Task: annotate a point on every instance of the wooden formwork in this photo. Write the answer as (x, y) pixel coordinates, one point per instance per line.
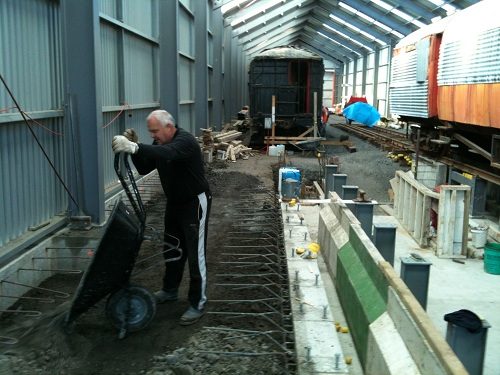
(412, 205)
(453, 221)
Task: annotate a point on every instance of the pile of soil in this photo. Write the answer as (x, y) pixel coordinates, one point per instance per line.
(164, 347)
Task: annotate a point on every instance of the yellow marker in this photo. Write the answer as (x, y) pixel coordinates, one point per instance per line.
(300, 250)
(344, 330)
(314, 247)
(348, 360)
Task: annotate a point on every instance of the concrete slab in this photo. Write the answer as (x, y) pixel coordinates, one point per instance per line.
(454, 286)
(316, 340)
(315, 298)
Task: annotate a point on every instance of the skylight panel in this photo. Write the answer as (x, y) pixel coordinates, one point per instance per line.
(382, 26)
(450, 9)
(358, 30)
(334, 41)
(347, 37)
(418, 23)
(254, 12)
(349, 8)
(231, 5)
(401, 14)
(382, 4)
(397, 33)
(437, 2)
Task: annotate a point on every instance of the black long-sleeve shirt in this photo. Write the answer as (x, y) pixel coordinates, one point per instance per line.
(179, 164)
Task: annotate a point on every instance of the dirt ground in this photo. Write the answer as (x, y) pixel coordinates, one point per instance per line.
(165, 347)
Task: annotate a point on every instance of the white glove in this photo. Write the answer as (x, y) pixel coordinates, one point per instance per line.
(122, 144)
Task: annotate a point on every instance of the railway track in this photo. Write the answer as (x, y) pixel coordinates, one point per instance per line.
(394, 140)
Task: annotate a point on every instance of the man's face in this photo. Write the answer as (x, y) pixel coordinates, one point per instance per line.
(160, 134)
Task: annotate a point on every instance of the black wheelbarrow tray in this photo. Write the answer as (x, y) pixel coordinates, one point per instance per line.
(129, 307)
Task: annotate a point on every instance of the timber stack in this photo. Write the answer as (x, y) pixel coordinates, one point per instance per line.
(224, 145)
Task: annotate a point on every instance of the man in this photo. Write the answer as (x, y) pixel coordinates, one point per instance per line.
(176, 155)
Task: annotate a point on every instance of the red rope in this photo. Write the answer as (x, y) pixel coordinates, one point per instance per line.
(118, 115)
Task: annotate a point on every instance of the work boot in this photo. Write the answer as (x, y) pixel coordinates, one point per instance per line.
(191, 316)
(163, 296)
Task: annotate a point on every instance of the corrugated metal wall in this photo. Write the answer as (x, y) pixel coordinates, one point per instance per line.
(187, 57)
(408, 97)
(129, 65)
(32, 62)
(468, 62)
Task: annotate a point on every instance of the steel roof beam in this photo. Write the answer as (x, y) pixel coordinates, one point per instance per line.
(322, 19)
(340, 54)
(343, 43)
(249, 10)
(270, 36)
(280, 22)
(390, 21)
(348, 18)
(414, 9)
(357, 37)
(337, 65)
(266, 44)
(337, 59)
(276, 31)
(281, 11)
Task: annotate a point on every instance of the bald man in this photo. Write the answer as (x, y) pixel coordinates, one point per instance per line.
(176, 155)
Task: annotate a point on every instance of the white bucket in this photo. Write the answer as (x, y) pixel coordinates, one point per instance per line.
(479, 237)
(221, 155)
(276, 150)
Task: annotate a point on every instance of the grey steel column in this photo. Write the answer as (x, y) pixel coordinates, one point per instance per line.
(200, 66)
(217, 77)
(384, 239)
(349, 192)
(354, 80)
(375, 77)
(339, 180)
(415, 273)
(330, 169)
(469, 347)
(233, 93)
(364, 213)
(82, 60)
(227, 73)
(169, 57)
(363, 75)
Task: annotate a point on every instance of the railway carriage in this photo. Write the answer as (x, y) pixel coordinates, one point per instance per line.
(446, 77)
(292, 75)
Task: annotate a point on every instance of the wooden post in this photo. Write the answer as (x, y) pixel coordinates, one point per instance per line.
(273, 118)
(315, 114)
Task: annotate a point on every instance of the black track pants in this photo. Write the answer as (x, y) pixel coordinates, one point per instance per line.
(189, 223)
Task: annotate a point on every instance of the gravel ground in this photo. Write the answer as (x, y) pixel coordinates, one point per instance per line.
(165, 347)
(368, 167)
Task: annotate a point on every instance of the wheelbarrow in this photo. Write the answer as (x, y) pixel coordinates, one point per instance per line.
(129, 307)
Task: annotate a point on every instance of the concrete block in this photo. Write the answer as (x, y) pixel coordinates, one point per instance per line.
(422, 354)
(387, 353)
(321, 338)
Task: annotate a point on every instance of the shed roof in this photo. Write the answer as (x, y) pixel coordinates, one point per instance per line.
(338, 30)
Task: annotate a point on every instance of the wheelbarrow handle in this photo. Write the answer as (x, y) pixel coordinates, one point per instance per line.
(137, 201)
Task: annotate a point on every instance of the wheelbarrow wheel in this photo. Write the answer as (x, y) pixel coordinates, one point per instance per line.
(131, 308)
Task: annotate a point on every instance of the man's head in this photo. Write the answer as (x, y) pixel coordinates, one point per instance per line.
(161, 126)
